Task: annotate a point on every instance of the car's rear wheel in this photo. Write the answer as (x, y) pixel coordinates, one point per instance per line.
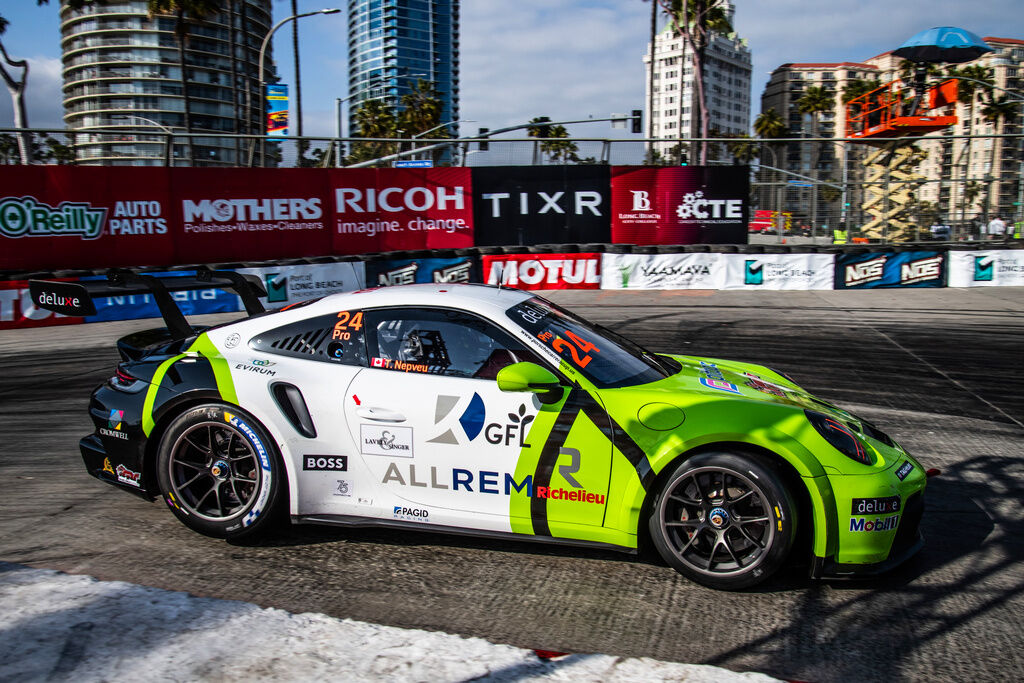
(725, 520)
(218, 472)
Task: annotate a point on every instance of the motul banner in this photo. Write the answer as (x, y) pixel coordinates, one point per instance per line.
(528, 205)
(680, 205)
(393, 209)
(544, 271)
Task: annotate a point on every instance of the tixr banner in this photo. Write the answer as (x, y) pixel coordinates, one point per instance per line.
(885, 270)
(526, 205)
(680, 205)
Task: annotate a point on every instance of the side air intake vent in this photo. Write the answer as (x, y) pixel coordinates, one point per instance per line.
(289, 400)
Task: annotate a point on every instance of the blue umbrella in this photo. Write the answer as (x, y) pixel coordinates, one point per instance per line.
(947, 44)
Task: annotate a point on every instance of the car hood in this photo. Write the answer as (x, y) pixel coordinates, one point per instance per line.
(718, 378)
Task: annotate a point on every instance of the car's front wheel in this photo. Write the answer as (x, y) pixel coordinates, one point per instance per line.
(218, 472)
(725, 520)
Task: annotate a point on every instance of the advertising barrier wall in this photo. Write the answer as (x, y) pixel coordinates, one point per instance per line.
(529, 205)
(990, 268)
(410, 271)
(779, 271)
(290, 284)
(662, 271)
(901, 269)
(680, 205)
(544, 271)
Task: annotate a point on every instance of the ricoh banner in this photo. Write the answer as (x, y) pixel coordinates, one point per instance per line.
(888, 269)
(543, 271)
(779, 271)
(680, 205)
(528, 205)
(410, 208)
(990, 268)
(662, 271)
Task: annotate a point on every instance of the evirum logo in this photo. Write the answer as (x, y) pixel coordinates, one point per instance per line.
(26, 217)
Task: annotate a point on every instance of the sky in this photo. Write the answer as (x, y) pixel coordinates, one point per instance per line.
(566, 59)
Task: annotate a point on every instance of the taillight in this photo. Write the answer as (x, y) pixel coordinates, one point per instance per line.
(123, 378)
(840, 435)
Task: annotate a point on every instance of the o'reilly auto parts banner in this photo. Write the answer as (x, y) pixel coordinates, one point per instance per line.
(543, 271)
(528, 205)
(290, 284)
(990, 268)
(779, 271)
(423, 270)
(680, 205)
(662, 271)
(67, 217)
(391, 209)
(886, 270)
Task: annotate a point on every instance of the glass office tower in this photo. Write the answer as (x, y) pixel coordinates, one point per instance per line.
(395, 43)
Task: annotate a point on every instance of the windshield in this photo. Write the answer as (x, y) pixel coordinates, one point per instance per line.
(606, 360)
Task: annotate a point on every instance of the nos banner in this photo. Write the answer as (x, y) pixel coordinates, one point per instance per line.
(544, 271)
(903, 269)
(990, 268)
(391, 209)
(410, 271)
(680, 205)
(541, 204)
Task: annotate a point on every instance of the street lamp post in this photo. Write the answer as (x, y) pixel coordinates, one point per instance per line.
(263, 82)
(369, 85)
(168, 140)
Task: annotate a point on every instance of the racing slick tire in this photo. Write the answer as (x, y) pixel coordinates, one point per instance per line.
(724, 520)
(219, 473)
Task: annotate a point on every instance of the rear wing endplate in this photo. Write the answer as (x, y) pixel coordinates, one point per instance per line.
(76, 298)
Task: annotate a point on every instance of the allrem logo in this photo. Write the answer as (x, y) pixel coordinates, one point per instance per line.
(26, 217)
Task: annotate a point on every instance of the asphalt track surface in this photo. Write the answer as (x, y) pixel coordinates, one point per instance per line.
(940, 370)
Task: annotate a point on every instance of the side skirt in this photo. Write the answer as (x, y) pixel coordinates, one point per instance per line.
(353, 521)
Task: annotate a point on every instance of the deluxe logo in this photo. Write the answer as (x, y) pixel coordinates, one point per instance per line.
(406, 275)
(877, 524)
(582, 199)
(392, 441)
(641, 200)
(875, 506)
(394, 199)
(549, 271)
(325, 463)
(753, 273)
(223, 210)
(695, 206)
(471, 420)
(24, 216)
(983, 268)
(865, 271)
(457, 273)
(921, 270)
(51, 299)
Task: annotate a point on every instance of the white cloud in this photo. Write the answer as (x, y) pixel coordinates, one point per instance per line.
(42, 95)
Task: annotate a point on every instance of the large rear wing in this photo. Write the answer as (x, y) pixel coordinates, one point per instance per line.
(76, 298)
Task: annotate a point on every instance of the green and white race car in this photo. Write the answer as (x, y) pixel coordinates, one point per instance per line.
(471, 409)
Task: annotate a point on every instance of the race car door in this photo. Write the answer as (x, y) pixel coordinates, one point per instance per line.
(448, 447)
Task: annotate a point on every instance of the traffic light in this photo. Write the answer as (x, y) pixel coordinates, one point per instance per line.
(483, 145)
(638, 121)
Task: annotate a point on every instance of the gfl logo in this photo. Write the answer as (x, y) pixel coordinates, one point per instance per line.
(641, 200)
(515, 429)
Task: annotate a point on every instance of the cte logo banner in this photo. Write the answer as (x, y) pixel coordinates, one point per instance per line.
(679, 205)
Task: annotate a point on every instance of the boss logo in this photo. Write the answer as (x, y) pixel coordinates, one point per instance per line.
(325, 463)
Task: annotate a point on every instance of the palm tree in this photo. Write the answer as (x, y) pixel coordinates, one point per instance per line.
(559, 150)
(815, 100)
(996, 112)
(694, 21)
(185, 13)
(770, 125)
(374, 119)
(967, 93)
(421, 111)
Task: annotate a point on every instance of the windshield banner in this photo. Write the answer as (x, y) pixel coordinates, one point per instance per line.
(992, 268)
(663, 271)
(779, 271)
(544, 271)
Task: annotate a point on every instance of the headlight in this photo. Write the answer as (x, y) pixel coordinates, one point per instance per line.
(840, 435)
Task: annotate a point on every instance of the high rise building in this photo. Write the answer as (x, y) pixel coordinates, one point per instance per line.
(726, 87)
(393, 44)
(122, 71)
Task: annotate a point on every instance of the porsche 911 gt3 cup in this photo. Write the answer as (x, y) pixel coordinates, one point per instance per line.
(490, 411)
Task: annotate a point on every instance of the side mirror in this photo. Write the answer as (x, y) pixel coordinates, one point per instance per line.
(530, 377)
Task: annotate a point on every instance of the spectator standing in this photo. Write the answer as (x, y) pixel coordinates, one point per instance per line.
(996, 228)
